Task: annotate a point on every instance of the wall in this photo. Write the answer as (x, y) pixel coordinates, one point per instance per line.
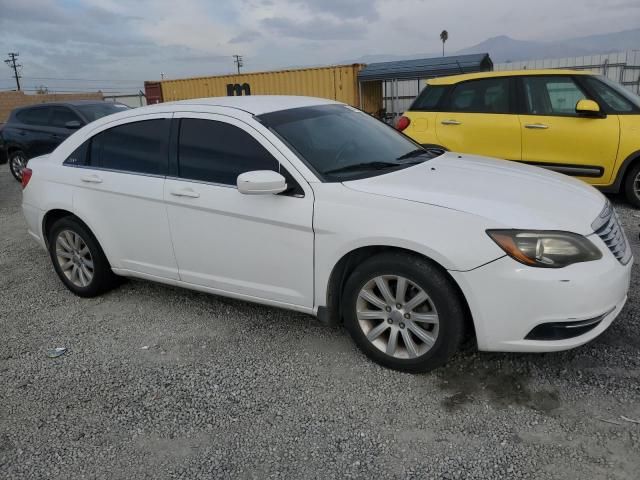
(11, 100)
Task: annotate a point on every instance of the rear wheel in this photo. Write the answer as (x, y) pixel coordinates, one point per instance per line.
(78, 259)
(17, 161)
(403, 312)
(632, 185)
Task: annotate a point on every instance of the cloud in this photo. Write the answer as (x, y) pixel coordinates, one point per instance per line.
(318, 29)
(246, 37)
(350, 9)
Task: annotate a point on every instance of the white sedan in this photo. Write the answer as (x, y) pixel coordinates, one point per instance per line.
(314, 206)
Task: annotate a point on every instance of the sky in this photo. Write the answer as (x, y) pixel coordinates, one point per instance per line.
(115, 45)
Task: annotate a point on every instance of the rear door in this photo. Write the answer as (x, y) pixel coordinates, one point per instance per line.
(478, 118)
(556, 137)
(252, 246)
(119, 183)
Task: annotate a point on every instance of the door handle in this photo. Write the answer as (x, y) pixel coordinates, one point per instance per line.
(91, 179)
(536, 126)
(186, 192)
(450, 122)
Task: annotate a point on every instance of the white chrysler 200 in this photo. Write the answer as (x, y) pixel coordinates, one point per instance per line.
(315, 206)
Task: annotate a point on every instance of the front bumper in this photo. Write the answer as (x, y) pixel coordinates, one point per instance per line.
(508, 300)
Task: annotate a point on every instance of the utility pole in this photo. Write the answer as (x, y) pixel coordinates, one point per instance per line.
(11, 61)
(237, 59)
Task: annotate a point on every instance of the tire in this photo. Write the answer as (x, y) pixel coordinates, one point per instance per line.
(17, 161)
(444, 331)
(632, 185)
(71, 242)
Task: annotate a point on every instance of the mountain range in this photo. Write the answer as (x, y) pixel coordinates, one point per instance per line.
(506, 49)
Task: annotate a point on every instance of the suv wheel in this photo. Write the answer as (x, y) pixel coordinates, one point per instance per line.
(632, 185)
(403, 312)
(78, 259)
(17, 161)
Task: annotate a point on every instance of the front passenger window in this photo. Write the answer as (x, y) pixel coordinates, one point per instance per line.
(553, 95)
(218, 152)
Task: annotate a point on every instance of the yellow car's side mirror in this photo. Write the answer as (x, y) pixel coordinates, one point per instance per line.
(589, 108)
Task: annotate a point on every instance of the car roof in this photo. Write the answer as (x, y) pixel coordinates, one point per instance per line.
(254, 104)
(453, 79)
(72, 103)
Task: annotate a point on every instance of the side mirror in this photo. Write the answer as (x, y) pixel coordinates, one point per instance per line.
(588, 108)
(73, 125)
(261, 182)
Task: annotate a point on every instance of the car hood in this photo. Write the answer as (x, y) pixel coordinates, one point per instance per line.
(509, 194)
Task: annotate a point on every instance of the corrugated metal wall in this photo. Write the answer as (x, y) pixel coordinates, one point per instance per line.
(621, 67)
(335, 83)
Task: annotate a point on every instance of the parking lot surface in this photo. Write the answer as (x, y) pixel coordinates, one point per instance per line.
(159, 382)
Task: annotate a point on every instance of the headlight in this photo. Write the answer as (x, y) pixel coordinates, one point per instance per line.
(547, 249)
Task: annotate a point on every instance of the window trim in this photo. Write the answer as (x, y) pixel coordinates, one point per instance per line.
(574, 78)
(511, 108)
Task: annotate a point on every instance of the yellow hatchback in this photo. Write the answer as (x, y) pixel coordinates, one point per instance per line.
(569, 121)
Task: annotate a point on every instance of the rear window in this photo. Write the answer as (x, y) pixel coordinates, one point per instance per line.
(429, 98)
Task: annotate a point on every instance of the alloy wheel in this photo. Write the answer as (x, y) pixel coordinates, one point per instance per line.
(74, 258)
(18, 162)
(397, 316)
(636, 185)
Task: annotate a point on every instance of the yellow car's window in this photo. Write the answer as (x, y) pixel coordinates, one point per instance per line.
(552, 95)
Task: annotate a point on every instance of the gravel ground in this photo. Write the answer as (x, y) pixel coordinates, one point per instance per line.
(165, 383)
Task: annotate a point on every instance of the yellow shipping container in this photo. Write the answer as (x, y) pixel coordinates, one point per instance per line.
(335, 83)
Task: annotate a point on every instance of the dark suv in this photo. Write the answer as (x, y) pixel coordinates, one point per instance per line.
(38, 129)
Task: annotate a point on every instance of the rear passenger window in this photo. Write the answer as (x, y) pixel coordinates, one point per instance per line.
(218, 152)
(138, 147)
(490, 95)
(34, 116)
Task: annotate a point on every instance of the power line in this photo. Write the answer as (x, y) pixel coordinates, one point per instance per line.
(11, 62)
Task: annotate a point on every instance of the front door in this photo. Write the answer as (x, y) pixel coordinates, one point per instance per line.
(251, 246)
(478, 119)
(556, 137)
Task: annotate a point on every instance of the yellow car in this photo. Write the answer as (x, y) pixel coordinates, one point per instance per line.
(573, 122)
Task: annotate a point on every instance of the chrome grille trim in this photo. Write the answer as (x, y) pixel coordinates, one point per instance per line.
(607, 227)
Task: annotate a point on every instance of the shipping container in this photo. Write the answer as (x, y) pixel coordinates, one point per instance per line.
(335, 83)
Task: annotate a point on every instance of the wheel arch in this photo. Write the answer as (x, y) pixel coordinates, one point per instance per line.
(621, 175)
(331, 313)
(56, 214)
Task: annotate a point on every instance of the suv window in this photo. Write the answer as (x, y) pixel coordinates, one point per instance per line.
(62, 115)
(614, 100)
(429, 98)
(34, 116)
(139, 147)
(218, 152)
(489, 95)
(554, 95)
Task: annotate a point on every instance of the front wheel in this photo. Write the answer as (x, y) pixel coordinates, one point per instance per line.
(632, 185)
(17, 162)
(403, 312)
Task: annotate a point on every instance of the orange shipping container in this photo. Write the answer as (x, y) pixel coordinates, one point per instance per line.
(335, 83)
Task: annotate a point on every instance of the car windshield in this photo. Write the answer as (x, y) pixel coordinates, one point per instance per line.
(627, 94)
(342, 143)
(94, 111)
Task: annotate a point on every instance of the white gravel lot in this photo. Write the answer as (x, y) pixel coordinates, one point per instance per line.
(227, 389)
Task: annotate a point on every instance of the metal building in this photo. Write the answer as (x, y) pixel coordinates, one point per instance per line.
(621, 67)
(403, 80)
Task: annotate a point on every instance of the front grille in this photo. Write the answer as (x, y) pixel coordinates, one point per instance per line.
(607, 227)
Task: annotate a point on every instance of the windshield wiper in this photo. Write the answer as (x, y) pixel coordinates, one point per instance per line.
(365, 166)
(414, 153)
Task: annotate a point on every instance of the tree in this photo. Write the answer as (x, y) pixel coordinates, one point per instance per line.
(444, 36)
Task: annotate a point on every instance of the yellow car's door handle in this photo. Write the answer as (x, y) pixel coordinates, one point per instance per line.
(450, 122)
(536, 126)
